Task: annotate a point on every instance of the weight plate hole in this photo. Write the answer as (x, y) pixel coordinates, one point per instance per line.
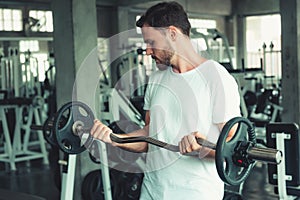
(66, 144)
(83, 112)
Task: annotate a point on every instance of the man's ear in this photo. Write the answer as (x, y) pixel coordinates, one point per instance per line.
(173, 31)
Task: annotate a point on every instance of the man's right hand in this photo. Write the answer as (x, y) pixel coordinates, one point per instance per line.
(101, 132)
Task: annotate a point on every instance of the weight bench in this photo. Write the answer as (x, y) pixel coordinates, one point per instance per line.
(286, 176)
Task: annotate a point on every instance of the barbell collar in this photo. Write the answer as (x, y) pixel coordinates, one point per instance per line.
(272, 156)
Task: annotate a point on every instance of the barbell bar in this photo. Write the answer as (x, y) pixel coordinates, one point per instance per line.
(254, 153)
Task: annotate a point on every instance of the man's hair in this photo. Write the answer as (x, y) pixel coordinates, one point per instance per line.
(166, 14)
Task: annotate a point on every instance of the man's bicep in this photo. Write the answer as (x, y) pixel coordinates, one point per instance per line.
(231, 132)
(147, 118)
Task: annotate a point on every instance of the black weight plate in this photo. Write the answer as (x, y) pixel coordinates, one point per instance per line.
(48, 131)
(250, 98)
(92, 188)
(68, 141)
(133, 185)
(228, 171)
(127, 184)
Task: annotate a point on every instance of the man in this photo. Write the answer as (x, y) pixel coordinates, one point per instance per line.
(189, 96)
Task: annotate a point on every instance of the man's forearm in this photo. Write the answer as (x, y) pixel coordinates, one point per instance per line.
(136, 146)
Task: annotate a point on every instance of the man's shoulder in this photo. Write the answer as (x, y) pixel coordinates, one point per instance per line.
(211, 65)
(212, 68)
(158, 74)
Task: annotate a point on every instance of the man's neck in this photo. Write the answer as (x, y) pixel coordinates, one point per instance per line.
(185, 64)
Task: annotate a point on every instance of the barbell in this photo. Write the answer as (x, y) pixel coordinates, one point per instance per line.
(234, 158)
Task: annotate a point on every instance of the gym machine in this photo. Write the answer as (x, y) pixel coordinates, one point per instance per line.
(21, 103)
(215, 45)
(15, 150)
(286, 175)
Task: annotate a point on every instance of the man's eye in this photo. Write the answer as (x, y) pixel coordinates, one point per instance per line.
(151, 43)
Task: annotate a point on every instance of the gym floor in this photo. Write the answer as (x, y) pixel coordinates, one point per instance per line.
(38, 180)
(31, 178)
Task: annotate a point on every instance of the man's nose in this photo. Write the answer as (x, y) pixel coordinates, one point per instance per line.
(149, 50)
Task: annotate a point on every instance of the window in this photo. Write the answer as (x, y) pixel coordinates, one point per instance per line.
(41, 21)
(263, 41)
(263, 29)
(29, 45)
(11, 20)
(33, 62)
(203, 24)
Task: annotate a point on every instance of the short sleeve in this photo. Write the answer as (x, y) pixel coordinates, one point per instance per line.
(225, 97)
(147, 98)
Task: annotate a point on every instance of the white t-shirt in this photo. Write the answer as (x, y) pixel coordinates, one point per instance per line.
(179, 104)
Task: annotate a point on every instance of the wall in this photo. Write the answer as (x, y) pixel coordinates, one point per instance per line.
(107, 20)
(255, 7)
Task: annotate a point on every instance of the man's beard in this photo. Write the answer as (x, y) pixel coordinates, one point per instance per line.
(161, 66)
(164, 62)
